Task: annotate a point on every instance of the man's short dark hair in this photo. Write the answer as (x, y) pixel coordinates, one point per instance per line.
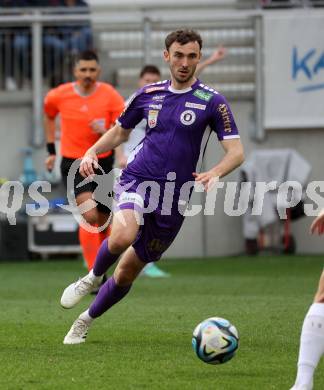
(183, 36)
(150, 69)
(87, 55)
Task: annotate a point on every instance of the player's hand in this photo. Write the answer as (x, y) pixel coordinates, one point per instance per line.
(218, 54)
(318, 224)
(50, 162)
(98, 126)
(88, 164)
(207, 179)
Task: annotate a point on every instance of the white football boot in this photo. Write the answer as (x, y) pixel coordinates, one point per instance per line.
(78, 332)
(73, 294)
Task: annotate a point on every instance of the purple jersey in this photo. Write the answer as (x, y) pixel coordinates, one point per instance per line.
(176, 121)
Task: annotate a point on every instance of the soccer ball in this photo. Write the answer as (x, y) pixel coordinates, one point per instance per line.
(215, 340)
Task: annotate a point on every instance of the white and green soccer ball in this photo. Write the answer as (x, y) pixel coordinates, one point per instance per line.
(215, 340)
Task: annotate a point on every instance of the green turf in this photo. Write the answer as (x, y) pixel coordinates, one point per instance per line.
(145, 341)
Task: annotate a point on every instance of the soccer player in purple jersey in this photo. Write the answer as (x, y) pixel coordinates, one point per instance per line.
(311, 347)
(177, 113)
(151, 74)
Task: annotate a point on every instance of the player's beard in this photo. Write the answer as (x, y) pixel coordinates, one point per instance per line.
(88, 82)
(188, 78)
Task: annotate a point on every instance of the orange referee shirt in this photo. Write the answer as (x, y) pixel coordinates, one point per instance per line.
(77, 112)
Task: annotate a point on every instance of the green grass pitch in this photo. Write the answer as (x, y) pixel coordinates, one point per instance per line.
(145, 341)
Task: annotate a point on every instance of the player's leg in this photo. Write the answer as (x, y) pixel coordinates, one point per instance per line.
(123, 232)
(311, 341)
(114, 289)
(90, 241)
(118, 285)
(151, 270)
(71, 179)
(98, 214)
(155, 236)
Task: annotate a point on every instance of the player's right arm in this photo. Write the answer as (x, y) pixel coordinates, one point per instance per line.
(50, 112)
(318, 224)
(110, 140)
(49, 126)
(118, 134)
(120, 157)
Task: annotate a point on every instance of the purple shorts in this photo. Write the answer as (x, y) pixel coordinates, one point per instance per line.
(157, 231)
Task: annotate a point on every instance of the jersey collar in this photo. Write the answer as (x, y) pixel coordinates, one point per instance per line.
(76, 90)
(179, 91)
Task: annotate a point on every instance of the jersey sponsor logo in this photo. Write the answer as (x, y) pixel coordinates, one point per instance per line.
(199, 93)
(195, 105)
(222, 108)
(152, 118)
(158, 97)
(155, 106)
(187, 117)
(152, 89)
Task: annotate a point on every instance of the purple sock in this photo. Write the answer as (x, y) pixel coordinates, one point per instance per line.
(104, 259)
(109, 294)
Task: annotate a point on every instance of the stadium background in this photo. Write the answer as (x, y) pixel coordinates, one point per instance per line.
(129, 34)
(145, 341)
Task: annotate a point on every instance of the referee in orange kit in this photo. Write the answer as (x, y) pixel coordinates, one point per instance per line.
(88, 109)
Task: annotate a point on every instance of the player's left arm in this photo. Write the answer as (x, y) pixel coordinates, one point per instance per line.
(234, 157)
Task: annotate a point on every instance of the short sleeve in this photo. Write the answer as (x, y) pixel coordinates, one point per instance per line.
(51, 103)
(133, 112)
(221, 119)
(116, 106)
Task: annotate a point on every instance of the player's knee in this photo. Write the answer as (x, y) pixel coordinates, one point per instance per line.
(319, 297)
(123, 277)
(91, 217)
(119, 244)
(120, 240)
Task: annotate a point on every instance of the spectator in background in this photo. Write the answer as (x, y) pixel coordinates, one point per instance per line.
(14, 3)
(8, 37)
(79, 38)
(60, 43)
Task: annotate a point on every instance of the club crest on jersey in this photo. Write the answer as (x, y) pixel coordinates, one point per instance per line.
(187, 117)
(152, 118)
